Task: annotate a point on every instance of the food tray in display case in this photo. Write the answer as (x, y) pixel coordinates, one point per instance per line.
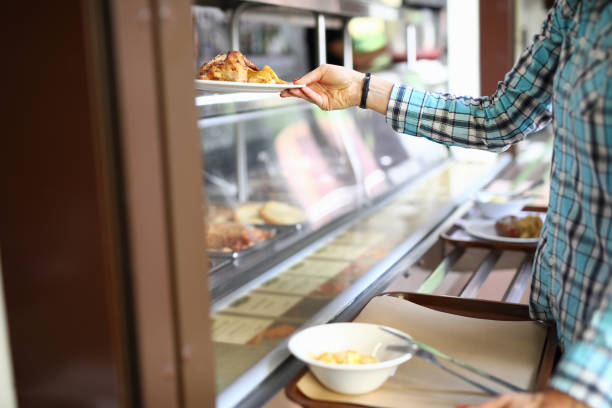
(271, 234)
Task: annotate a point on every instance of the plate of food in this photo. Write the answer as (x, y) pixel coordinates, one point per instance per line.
(233, 72)
(512, 228)
(269, 212)
(232, 240)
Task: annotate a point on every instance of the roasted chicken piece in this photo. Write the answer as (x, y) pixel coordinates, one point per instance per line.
(232, 66)
(265, 76)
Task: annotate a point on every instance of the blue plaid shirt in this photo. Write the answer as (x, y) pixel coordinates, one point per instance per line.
(564, 76)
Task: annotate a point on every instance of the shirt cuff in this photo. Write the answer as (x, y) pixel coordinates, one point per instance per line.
(585, 373)
(404, 109)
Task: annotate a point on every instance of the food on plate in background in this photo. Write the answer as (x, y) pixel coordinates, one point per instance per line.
(217, 214)
(275, 212)
(256, 213)
(270, 212)
(234, 237)
(519, 227)
(248, 213)
(345, 357)
(235, 67)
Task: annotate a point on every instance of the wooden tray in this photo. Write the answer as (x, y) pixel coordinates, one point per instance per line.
(483, 309)
(457, 236)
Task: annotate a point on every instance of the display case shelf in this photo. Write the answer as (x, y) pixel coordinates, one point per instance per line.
(346, 8)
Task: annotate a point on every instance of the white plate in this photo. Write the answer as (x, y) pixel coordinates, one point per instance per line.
(227, 86)
(485, 229)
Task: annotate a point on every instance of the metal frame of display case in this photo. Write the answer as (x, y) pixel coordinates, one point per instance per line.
(346, 8)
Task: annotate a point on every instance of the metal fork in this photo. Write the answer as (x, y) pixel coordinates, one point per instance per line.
(429, 353)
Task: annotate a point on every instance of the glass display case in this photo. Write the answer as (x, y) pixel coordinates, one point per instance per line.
(307, 211)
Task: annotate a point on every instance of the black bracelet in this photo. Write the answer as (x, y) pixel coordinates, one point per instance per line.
(364, 90)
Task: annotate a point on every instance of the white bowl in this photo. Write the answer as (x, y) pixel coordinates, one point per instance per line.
(362, 337)
(489, 207)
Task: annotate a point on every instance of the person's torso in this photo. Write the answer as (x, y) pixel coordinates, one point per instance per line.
(573, 260)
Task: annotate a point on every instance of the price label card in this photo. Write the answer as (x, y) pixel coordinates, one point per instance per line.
(358, 238)
(236, 329)
(262, 304)
(324, 268)
(292, 284)
(343, 252)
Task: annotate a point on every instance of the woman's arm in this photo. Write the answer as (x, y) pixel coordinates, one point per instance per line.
(520, 105)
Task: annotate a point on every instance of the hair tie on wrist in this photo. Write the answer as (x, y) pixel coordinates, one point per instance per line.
(364, 90)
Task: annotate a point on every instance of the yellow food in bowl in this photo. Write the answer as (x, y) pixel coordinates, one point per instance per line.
(498, 199)
(346, 357)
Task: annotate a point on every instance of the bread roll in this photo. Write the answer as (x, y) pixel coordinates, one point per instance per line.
(248, 214)
(274, 212)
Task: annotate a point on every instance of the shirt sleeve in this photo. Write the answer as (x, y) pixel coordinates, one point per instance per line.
(521, 104)
(585, 368)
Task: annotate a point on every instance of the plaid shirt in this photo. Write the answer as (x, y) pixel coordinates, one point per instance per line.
(564, 76)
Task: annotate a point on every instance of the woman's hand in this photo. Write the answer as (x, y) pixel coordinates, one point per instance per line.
(545, 399)
(330, 87)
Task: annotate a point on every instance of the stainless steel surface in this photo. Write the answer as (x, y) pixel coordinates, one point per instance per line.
(257, 113)
(217, 263)
(525, 192)
(411, 46)
(479, 277)
(235, 25)
(347, 44)
(221, 105)
(438, 275)
(321, 45)
(356, 165)
(519, 282)
(352, 8)
(241, 164)
(431, 354)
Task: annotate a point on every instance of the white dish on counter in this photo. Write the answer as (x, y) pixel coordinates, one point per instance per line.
(228, 87)
(336, 337)
(485, 229)
(490, 208)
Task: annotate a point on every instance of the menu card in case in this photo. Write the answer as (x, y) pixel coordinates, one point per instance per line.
(495, 336)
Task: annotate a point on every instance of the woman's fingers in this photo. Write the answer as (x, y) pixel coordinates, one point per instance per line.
(313, 96)
(313, 76)
(285, 93)
(298, 93)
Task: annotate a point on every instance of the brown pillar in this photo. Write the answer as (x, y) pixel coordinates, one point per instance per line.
(60, 232)
(496, 42)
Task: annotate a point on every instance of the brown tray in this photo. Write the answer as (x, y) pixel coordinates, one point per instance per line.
(457, 236)
(482, 309)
